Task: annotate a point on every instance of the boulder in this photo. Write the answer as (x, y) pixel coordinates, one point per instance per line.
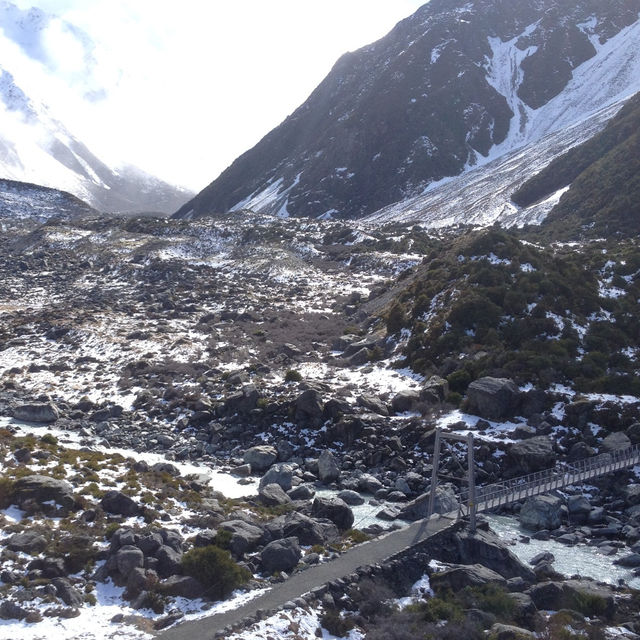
(369, 483)
(260, 458)
(273, 495)
(446, 501)
(308, 530)
(27, 542)
(493, 398)
(541, 512)
(633, 433)
(405, 401)
(373, 404)
(335, 510)
(508, 632)
(352, 498)
(281, 555)
(281, 473)
(579, 508)
(301, 492)
(244, 536)
(41, 412)
(119, 503)
(631, 494)
(616, 441)
(308, 408)
(528, 456)
(43, 489)
(181, 587)
(575, 595)
(244, 401)
(487, 549)
(328, 469)
(67, 592)
(460, 576)
(434, 390)
(169, 561)
(129, 558)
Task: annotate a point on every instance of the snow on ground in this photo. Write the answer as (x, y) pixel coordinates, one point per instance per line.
(230, 486)
(496, 432)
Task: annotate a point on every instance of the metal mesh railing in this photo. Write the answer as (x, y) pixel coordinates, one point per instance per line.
(562, 475)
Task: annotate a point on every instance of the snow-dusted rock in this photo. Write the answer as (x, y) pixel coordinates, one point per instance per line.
(541, 512)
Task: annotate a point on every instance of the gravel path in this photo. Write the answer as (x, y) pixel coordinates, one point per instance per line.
(366, 554)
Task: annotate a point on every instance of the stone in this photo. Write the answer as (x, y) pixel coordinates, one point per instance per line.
(633, 433)
(244, 401)
(493, 398)
(458, 577)
(631, 560)
(308, 408)
(579, 508)
(27, 542)
(369, 483)
(352, 498)
(280, 473)
(335, 510)
(281, 555)
(328, 469)
(405, 401)
(119, 503)
(308, 530)
(41, 412)
(528, 456)
(631, 494)
(616, 441)
(435, 389)
(181, 587)
(301, 492)
(129, 558)
(508, 632)
(273, 495)
(168, 561)
(541, 512)
(67, 592)
(44, 489)
(446, 501)
(244, 536)
(373, 404)
(260, 458)
(12, 611)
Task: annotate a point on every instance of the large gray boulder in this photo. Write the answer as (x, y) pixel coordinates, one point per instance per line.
(169, 561)
(281, 473)
(244, 401)
(129, 558)
(260, 458)
(43, 489)
(309, 408)
(335, 510)
(541, 512)
(446, 501)
(434, 390)
(616, 441)
(40, 412)
(244, 536)
(528, 456)
(465, 575)
(119, 503)
(281, 555)
(273, 495)
(328, 469)
(493, 398)
(181, 587)
(309, 531)
(573, 594)
(27, 542)
(405, 401)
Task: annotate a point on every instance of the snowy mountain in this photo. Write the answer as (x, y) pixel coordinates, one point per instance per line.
(457, 85)
(36, 146)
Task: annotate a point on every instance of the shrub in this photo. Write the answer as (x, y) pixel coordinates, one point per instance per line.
(396, 319)
(215, 569)
(6, 492)
(335, 624)
(49, 438)
(111, 529)
(292, 376)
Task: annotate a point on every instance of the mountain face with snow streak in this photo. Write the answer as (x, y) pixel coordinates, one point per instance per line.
(456, 85)
(36, 147)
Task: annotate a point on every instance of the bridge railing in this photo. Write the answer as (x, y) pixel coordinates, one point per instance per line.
(562, 475)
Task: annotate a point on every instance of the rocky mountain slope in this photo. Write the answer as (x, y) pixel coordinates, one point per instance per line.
(22, 200)
(36, 147)
(603, 176)
(453, 86)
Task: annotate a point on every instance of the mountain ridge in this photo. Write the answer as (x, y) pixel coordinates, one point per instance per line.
(432, 99)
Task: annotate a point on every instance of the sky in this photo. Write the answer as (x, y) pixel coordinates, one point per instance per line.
(182, 88)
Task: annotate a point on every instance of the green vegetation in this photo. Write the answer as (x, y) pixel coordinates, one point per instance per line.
(604, 174)
(215, 569)
(292, 376)
(490, 304)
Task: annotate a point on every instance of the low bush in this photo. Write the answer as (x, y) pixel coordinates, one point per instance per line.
(215, 569)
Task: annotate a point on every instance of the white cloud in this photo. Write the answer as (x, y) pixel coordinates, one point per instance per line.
(191, 85)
